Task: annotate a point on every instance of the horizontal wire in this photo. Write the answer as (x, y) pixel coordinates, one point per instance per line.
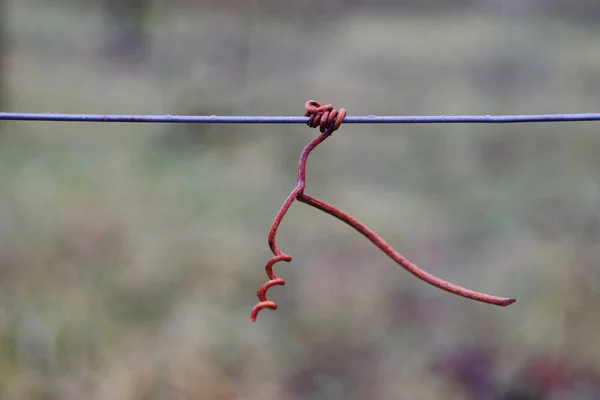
(236, 119)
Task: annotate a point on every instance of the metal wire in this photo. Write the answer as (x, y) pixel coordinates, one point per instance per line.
(236, 119)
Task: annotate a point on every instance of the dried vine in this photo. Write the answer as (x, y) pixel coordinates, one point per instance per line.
(329, 120)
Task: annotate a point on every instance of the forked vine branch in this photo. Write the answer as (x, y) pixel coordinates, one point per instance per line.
(329, 120)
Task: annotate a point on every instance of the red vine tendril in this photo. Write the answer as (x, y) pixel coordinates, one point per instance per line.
(329, 120)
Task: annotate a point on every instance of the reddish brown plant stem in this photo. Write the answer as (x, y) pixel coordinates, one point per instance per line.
(278, 254)
(403, 262)
(328, 121)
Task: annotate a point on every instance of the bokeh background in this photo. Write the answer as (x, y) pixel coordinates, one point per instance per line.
(130, 254)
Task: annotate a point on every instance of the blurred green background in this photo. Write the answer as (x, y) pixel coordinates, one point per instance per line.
(130, 254)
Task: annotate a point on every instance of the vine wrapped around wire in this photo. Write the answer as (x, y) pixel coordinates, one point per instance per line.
(329, 120)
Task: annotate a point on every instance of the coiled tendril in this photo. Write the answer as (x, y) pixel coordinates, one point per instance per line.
(329, 120)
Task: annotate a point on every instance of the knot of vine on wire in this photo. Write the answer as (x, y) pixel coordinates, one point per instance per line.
(325, 117)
